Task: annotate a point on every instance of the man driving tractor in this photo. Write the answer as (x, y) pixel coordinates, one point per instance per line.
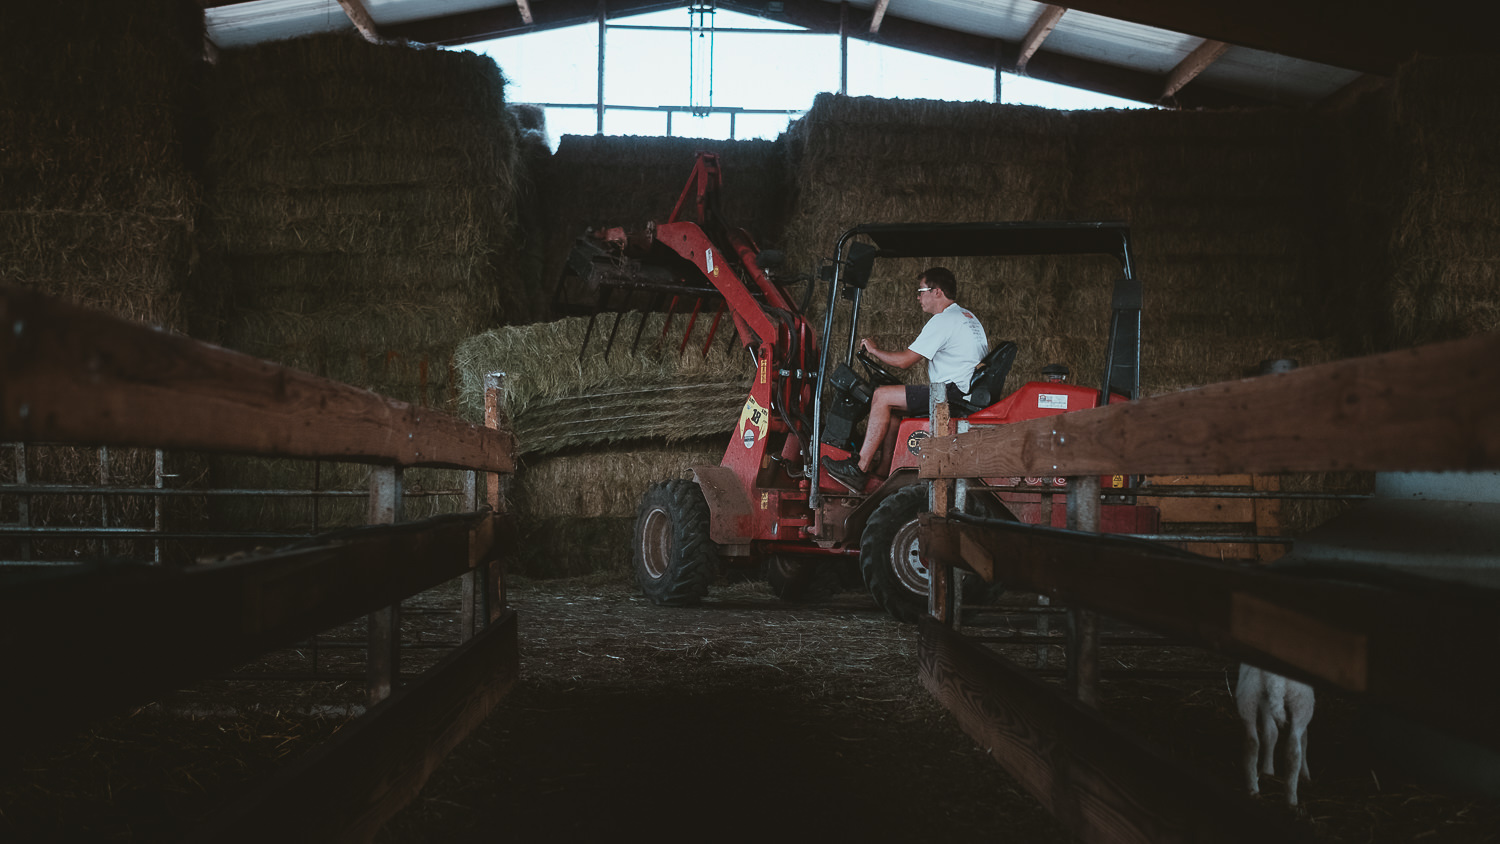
(952, 342)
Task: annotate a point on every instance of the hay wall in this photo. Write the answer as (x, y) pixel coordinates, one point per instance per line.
(600, 182)
(1445, 246)
(1216, 200)
(98, 206)
(577, 510)
(362, 219)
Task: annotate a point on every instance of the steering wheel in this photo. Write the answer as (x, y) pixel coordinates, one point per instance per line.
(878, 373)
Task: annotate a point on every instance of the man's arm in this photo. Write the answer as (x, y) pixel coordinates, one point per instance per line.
(901, 360)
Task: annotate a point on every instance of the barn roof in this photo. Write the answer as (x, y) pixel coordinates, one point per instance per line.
(1190, 53)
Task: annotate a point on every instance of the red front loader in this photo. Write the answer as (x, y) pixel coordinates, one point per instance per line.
(767, 504)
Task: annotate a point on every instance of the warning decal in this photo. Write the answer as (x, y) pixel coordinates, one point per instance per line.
(1053, 400)
(754, 420)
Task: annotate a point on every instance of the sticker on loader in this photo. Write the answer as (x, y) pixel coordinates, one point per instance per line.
(754, 420)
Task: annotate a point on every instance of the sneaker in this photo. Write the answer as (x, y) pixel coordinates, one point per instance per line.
(846, 472)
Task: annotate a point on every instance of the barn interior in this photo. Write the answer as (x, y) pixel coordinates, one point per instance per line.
(342, 189)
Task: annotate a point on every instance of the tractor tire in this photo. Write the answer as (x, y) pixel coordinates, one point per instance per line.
(799, 580)
(894, 573)
(675, 559)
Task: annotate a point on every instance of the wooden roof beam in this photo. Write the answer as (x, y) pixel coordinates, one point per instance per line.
(360, 17)
(879, 15)
(1196, 62)
(524, 7)
(1040, 29)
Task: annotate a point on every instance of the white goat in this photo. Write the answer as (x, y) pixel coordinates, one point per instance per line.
(1270, 706)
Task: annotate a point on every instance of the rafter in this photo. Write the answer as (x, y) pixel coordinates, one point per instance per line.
(1039, 31)
(524, 7)
(360, 17)
(1196, 62)
(879, 15)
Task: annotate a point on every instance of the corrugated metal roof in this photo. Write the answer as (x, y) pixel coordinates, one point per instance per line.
(1103, 42)
(243, 24)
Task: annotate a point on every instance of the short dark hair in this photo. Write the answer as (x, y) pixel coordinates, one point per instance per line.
(941, 278)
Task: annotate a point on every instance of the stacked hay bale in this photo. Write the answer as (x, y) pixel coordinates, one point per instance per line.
(595, 429)
(98, 205)
(597, 426)
(362, 221)
(576, 510)
(1445, 248)
(867, 160)
(1214, 200)
(600, 182)
(1224, 232)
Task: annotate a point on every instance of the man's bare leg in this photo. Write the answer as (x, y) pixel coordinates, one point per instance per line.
(887, 398)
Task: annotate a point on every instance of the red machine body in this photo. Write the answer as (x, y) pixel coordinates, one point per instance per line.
(759, 505)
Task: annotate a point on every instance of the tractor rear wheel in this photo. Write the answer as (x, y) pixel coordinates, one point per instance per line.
(890, 559)
(674, 556)
(801, 580)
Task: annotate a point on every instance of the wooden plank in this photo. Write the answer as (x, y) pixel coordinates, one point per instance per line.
(348, 787)
(72, 375)
(360, 17)
(1242, 479)
(1222, 510)
(127, 633)
(1331, 632)
(1195, 63)
(1099, 783)
(1040, 29)
(1433, 408)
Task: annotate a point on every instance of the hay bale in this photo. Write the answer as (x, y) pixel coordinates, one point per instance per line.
(599, 182)
(351, 180)
(1445, 248)
(362, 220)
(1217, 202)
(98, 206)
(577, 510)
(558, 399)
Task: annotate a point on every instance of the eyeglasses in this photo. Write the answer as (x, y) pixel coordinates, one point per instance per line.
(921, 290)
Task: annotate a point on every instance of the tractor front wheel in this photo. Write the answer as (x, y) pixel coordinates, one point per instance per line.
(891, 562)
(674, 556)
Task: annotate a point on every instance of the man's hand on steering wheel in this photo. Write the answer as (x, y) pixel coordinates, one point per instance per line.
(878, 373)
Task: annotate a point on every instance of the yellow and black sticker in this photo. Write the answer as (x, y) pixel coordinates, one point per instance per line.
(754, 420)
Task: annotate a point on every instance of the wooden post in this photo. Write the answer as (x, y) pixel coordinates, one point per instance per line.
(1268, 516)
(23, 501)
(467, 589)
(941, 601)
(384, 635)
(494, 417)
(1083, 625)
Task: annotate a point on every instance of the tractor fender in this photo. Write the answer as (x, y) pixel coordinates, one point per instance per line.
(731, 520)
(854, 523)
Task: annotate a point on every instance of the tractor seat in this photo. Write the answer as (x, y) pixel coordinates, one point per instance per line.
(989, 379)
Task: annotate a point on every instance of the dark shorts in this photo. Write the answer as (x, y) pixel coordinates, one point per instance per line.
(918, 397)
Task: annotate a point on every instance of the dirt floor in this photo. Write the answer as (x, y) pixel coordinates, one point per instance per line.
(743, 719)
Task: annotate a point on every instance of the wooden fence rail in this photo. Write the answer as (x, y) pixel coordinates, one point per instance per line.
(1435, 408)
(72, 375)
(85, 641)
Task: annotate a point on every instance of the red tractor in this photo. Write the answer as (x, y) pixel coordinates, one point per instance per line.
(769, 503)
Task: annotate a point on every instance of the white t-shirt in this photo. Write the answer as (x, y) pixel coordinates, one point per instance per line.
(953, 343)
